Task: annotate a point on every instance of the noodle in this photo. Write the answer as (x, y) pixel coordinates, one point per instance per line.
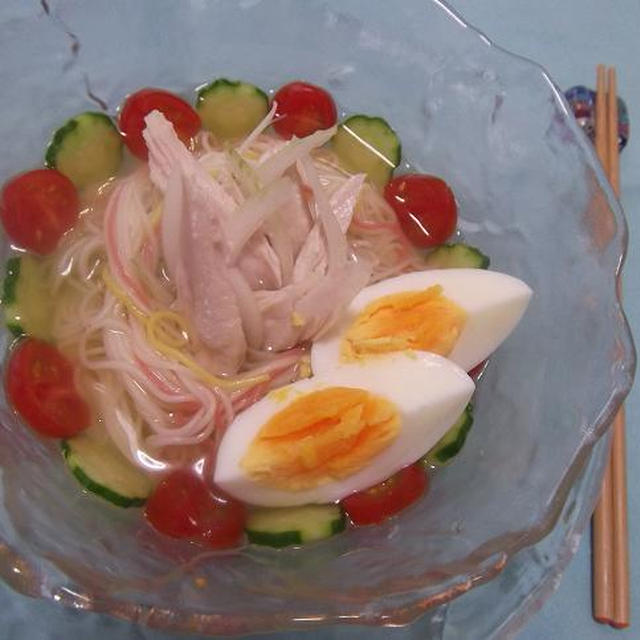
(118, 314)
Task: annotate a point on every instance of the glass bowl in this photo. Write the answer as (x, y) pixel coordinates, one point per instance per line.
(531, 195)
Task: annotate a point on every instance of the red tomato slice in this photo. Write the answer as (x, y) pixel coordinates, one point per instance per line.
(425, 207)
(182, 506)
(181, 114)
(302, 109)
(37, 208)
(40, 388)
(478, 370)
(384, 500)
(223, 525)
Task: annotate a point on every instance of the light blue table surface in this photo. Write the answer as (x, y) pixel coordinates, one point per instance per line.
(568, 37)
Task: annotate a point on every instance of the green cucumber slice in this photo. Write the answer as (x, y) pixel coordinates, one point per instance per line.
(87, 149)
(231, 109)
(284, 526)
(366, 144)
(452, 441)
(456, 256)
(99, 467)
(26, 297)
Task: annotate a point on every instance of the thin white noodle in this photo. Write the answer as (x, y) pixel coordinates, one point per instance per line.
(155, 407)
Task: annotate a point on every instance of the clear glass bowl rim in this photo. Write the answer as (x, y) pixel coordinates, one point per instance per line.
(31, 581)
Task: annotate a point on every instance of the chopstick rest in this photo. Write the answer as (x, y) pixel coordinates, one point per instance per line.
(582, 101)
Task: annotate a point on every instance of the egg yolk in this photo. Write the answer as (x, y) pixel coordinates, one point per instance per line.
(320, 437)
(422, 320)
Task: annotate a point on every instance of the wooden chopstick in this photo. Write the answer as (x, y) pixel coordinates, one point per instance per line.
(621, 600)
(610, 531)
(602, 531)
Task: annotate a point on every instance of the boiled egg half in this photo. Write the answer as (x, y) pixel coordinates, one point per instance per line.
(320, 439)
(462, 314)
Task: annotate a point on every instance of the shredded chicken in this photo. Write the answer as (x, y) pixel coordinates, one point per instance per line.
(257, 252)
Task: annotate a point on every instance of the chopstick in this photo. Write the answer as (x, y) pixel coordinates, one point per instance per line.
(610, 531)
(603, 515)
(621, 613)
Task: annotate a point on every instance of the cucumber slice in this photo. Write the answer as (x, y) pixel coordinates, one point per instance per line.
(456, 256)
(87, 149)
(26, 297)
(11, 280)
(99, 467)
(366, 144)
(285, 526)
(451, 442)
(231, 109)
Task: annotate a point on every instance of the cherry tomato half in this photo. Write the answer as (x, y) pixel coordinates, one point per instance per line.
(425, 207)
(40, 388)
(478, 370)
(182, 506)
(384, 500)
(37, 208)
(302, 109)
(181, 114)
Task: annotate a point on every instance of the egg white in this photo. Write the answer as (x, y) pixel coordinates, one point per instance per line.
(429, 392)
(494, 303)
